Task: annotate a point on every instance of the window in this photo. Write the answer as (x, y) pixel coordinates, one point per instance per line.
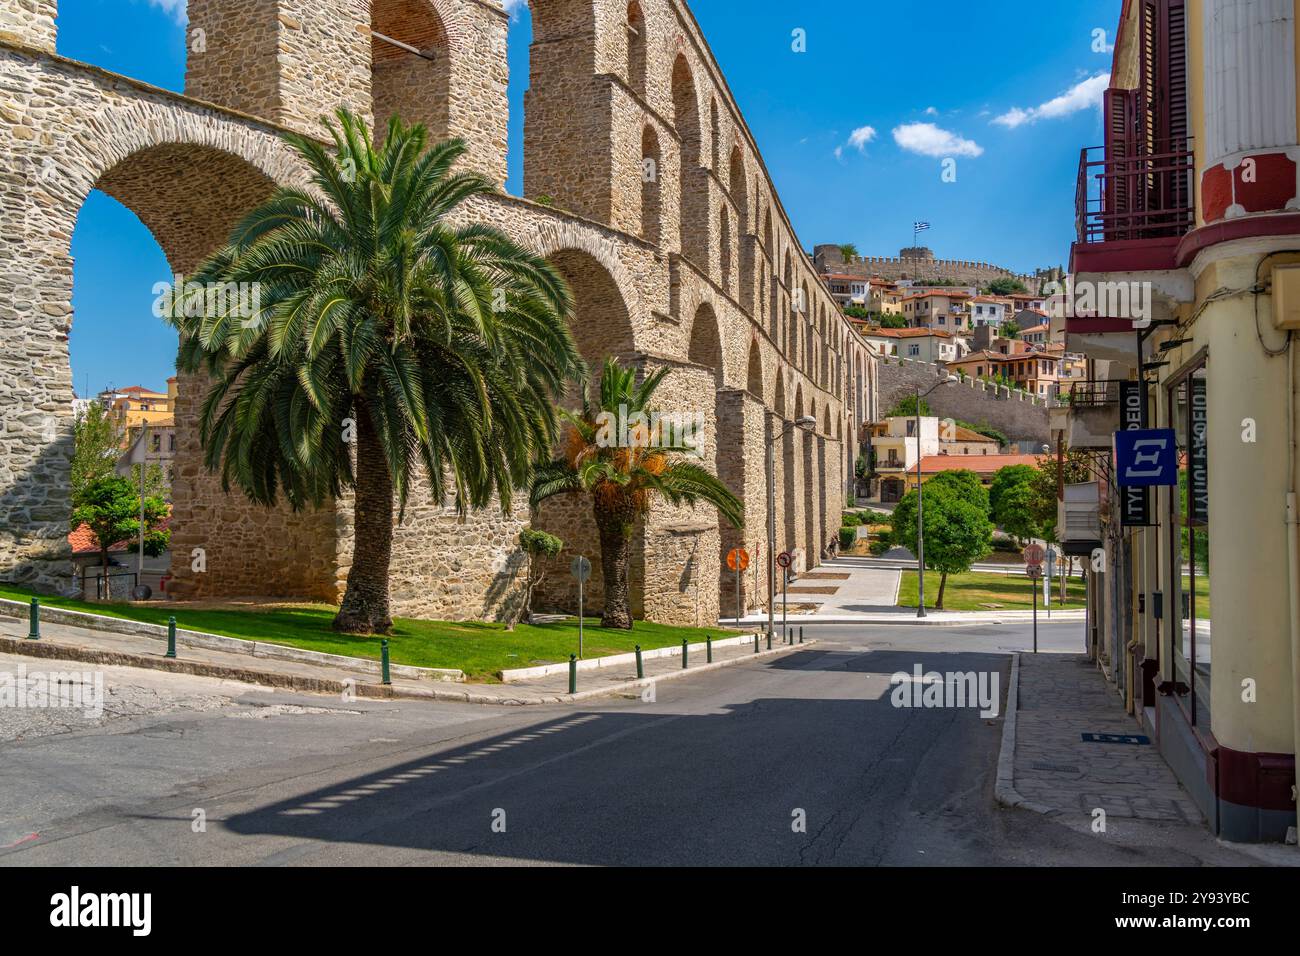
(1189, 581)
(914, 350)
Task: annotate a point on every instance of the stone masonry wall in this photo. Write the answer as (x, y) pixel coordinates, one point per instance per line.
(1019, 417)
(743, 322)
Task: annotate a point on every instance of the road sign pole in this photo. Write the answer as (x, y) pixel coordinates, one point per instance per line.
(579, 617)
(738, 573)
(785, 597)
(1035, 590)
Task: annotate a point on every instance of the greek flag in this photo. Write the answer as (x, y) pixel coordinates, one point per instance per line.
(920, 226)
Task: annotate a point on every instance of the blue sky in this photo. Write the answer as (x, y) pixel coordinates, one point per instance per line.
(854, 131)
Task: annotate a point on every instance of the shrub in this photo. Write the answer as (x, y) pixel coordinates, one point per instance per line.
(880, 546)
(848, 538)
(851, 519)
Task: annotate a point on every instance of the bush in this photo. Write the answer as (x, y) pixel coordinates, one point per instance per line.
(851, 519)
(880, 546)
(848, 538)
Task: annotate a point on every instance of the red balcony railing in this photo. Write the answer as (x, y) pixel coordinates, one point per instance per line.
(1147, 196)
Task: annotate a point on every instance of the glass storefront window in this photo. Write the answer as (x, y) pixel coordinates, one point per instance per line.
(1190, 545)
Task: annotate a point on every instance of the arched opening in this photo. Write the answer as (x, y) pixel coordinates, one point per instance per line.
(715, 137)
(519, 39)
(754, 376)
(724, 247)
(812, 494)
(651, 193)
(792, 460)
(410, 65)
(636, 46)
(706, 342)
(767, 235)
(739, 189)
(602, 327)
(693, 207)
(187, 198)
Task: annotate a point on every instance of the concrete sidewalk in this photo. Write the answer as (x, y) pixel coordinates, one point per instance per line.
(1051, 769)
(62, 642)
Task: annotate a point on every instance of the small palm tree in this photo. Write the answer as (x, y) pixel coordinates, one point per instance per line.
(623, 481)
(435, 352)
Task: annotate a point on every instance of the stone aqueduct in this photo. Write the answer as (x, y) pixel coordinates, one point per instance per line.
(696, 268)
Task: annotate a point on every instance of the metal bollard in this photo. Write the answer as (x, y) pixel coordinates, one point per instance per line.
(640, 671)
(756, 642)
(769, 640)
(385, 678)
(801, 634)
(171, 637)
(683, 653)
(708, 648)
(34, 626)
(573, 673)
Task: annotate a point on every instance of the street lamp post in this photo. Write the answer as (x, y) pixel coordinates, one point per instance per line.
(920, 501)
(806, 423)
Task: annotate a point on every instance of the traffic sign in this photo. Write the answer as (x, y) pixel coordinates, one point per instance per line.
(783, 559)
(1034, 554)
(1034, 570)
(580, 568)
(738, 559)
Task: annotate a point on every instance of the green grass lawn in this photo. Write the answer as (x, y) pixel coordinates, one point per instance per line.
(974, 591)
(479, 649)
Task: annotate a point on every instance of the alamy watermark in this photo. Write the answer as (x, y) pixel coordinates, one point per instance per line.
(682, 431)
(179, 298)
(41, 690)
(1071, 299)
(932, 690)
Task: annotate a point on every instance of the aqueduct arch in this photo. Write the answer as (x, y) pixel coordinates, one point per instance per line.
(612, 84)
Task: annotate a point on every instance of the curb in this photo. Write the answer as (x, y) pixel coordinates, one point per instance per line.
(517, 674)
(1004, 788)
(231, 645)
(911, 620)
(320, 685)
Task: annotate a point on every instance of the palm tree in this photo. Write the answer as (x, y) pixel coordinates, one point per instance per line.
(622, 481)
(437, 350)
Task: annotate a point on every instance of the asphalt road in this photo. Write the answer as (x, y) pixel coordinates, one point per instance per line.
(803, 760)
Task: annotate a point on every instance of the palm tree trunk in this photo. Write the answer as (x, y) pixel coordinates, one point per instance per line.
(615, 529)
(365, 602)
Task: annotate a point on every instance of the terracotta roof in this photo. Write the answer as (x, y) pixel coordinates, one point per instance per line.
(1036, 328)
(83, 541)
(907, 333)
(980, 464)
(967, 435)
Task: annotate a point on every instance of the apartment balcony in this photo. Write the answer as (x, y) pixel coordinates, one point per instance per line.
(1078, 518)
(1087, 413)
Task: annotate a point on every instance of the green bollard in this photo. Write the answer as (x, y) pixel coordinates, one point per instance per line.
(640, 670)
(385, 677)
(573, 673)
(801, 634)
(708, 648)
(769, 640)
(756, 642)
(34, 627)
(683, 653)
(171, 637)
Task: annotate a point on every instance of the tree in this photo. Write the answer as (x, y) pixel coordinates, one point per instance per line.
(1009, 329)
(437, 346)
(849, 251)
(905, 407)
(856, 312)
(622, 481)
(536, 546)
(110, 507)
(889, 321)
(1011, 502)
(957, 528)
(1005, 285)
(96, 445)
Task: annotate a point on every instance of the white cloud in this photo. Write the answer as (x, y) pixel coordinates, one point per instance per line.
(1083, 95)
(861, 136)
(930, 140)
(931, 111)
(175, 8)
(514, 6)
(839, 152)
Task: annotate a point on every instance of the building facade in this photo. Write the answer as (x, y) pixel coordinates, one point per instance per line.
(1191, 209)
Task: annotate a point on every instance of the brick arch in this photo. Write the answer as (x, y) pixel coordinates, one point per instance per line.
(705, 342)
(548, 237)
(601, 323)
(402, 83)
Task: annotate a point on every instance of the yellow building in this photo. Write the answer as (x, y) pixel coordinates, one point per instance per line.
(136, 405)
(1186, 300)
